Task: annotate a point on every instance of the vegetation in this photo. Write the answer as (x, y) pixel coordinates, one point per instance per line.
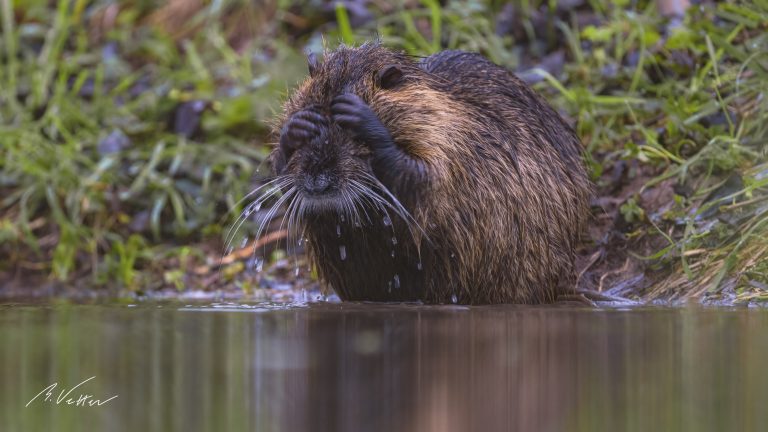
(129, 132)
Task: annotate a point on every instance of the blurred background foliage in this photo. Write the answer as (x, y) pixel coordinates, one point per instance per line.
(130, 130)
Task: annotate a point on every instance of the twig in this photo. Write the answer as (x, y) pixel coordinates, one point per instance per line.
(612, 272)
(592, 260)
(243, 252)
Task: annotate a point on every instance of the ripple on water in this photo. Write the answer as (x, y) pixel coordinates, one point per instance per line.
(244, 307)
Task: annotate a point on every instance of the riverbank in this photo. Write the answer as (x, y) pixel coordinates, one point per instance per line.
(130, 134)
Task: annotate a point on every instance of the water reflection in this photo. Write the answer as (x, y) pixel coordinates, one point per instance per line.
(343, 367)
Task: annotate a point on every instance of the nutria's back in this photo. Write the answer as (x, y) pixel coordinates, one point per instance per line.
(442, 180)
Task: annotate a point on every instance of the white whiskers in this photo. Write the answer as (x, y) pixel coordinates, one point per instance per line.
(358, 199)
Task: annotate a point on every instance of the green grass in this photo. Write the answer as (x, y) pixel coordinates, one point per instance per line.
(683, 106)
(58, 185)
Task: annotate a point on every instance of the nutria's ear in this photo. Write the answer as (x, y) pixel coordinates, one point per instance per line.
(389, 76)
(312, 64)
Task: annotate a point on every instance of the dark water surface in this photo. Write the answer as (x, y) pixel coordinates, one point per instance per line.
(347, 367)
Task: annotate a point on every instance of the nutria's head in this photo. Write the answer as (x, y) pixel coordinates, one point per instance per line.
(330, 169)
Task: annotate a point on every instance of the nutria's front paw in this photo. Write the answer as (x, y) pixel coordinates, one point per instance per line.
(353, 114)
(301, 128)
(298, 131)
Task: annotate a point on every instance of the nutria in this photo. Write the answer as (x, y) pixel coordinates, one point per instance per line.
(441, 179)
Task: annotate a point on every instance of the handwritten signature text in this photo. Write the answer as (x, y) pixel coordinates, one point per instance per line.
(68, 397)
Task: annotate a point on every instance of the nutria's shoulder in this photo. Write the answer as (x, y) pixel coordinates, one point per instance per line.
(454, 64)
(503, 98)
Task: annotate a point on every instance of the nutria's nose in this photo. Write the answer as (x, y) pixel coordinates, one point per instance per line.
(316, 185)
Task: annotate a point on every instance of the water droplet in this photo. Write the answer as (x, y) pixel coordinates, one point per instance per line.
(394, 240)
(342, 218)
(454, 299)
(296, 272)
(419, 266)
(390, 287)
(358, 224)
(244, 242)
(453, 255)
(387, 221)
(396, 281)
(338, 230)
(255, 264)
(393, 253)
(252, 208)
(343, 252)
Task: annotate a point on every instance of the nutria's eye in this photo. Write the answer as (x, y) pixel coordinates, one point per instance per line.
(312, 64)
(389, 76)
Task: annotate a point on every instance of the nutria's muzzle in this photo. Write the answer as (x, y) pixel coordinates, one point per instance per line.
(319, 184)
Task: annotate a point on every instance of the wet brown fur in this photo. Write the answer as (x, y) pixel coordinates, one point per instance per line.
(506, 194)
